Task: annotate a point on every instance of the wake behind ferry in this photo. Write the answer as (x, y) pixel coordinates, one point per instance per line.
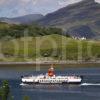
(51, 78)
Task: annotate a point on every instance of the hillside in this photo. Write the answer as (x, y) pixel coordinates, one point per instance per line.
(84, 16)
(25, 49)
(27, 19)
(8, 31)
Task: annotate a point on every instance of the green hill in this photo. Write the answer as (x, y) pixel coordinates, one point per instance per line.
(49, 47)
(33, 42)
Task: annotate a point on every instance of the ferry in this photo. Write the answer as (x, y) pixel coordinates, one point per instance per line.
(51, 78)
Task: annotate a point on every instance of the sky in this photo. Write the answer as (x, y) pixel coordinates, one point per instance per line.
(14, 8)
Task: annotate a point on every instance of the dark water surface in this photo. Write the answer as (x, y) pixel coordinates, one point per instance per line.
(88, 90)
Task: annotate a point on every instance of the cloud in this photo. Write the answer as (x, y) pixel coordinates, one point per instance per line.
(98, 1)
(12, 8)
(2, 2)
(67, 2)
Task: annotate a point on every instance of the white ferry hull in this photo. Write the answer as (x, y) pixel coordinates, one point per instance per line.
(32, 83)
(61, 80)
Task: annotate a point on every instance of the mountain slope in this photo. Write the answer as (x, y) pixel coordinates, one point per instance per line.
(27, 19)
(72, 17)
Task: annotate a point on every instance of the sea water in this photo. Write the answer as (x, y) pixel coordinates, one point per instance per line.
(89, 89)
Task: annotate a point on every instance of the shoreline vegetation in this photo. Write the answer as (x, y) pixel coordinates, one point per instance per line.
(53, 62)
(40, 50)
(48, 63)
(23, 44)
(5, 92)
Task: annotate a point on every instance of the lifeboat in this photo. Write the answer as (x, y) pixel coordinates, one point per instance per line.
(51, 78)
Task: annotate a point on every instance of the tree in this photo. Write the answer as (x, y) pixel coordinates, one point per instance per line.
(4, 90)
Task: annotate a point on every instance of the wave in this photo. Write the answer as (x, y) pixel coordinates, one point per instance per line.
(22, 84)
(90, 84)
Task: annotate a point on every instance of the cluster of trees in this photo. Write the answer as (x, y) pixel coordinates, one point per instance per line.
(17, 31)
(5, 92)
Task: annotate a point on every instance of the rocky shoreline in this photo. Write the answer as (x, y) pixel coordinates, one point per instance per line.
(52, 62)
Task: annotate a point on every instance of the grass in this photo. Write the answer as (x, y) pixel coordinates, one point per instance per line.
(49, 47)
